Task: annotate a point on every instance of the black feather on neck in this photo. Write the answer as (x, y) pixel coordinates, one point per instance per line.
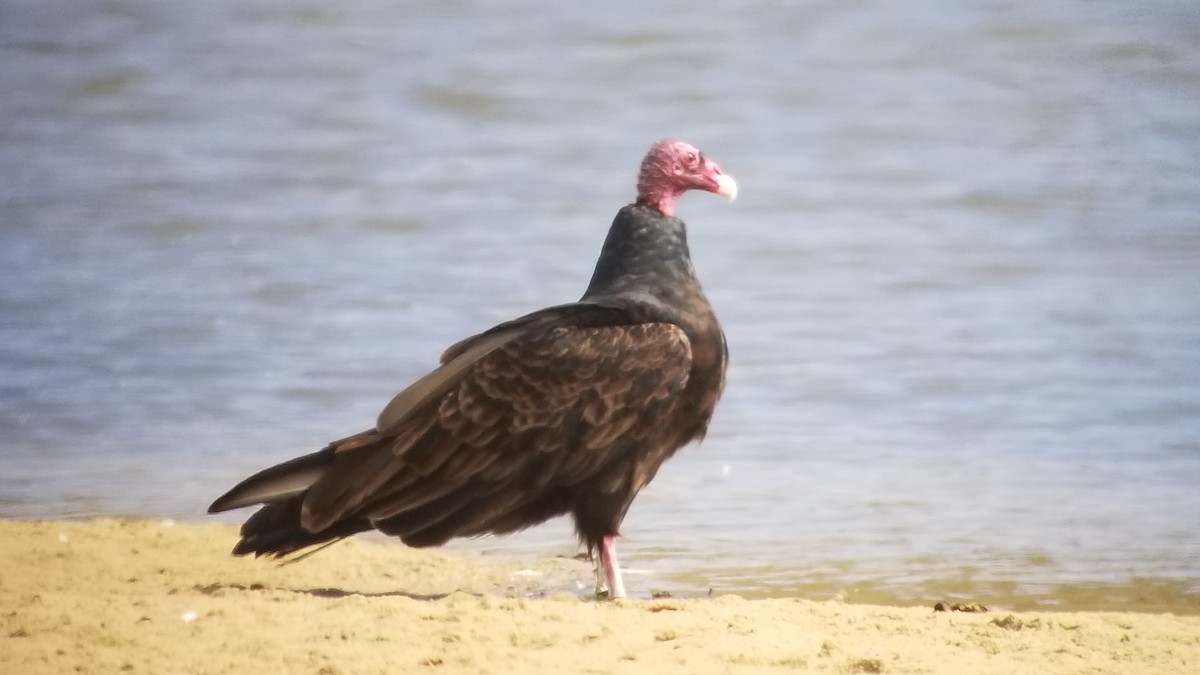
(646, 252)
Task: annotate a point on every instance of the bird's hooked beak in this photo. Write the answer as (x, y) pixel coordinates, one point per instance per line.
(722, 184)
(727, 187)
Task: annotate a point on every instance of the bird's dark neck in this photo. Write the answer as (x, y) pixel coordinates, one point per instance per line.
(646, 252)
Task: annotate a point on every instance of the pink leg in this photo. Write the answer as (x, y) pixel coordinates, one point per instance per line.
(612, 568)
(601, 584)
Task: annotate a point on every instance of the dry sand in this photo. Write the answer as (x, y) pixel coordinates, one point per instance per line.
(118, 596)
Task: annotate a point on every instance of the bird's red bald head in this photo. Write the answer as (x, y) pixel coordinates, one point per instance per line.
(674, 167)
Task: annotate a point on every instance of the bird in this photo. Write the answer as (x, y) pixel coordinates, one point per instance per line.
(570, 409)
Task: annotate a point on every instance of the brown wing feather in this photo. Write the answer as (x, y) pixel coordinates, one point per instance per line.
(541, 412)
(572, 391)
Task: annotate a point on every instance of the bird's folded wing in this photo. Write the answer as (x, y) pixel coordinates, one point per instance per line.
(520, 406)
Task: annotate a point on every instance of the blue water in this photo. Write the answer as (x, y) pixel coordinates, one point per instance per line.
(960, 286)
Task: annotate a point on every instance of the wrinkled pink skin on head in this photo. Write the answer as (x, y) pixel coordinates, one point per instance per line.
(671, 168)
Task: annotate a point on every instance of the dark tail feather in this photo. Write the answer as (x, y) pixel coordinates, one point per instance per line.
(277, 483)
(275, 530)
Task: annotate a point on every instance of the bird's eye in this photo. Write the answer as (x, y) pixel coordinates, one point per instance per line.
(691, 158)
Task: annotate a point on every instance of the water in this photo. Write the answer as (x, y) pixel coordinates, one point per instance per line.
(960, 286)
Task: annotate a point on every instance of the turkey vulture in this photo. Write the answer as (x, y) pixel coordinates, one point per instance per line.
(571, 409)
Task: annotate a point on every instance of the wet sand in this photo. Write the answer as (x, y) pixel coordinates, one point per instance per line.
(134, 596)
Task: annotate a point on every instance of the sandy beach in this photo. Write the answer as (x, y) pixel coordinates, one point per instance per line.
(146, 596)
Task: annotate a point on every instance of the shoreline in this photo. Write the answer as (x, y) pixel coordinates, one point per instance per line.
(844, 581)
(156, 596)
